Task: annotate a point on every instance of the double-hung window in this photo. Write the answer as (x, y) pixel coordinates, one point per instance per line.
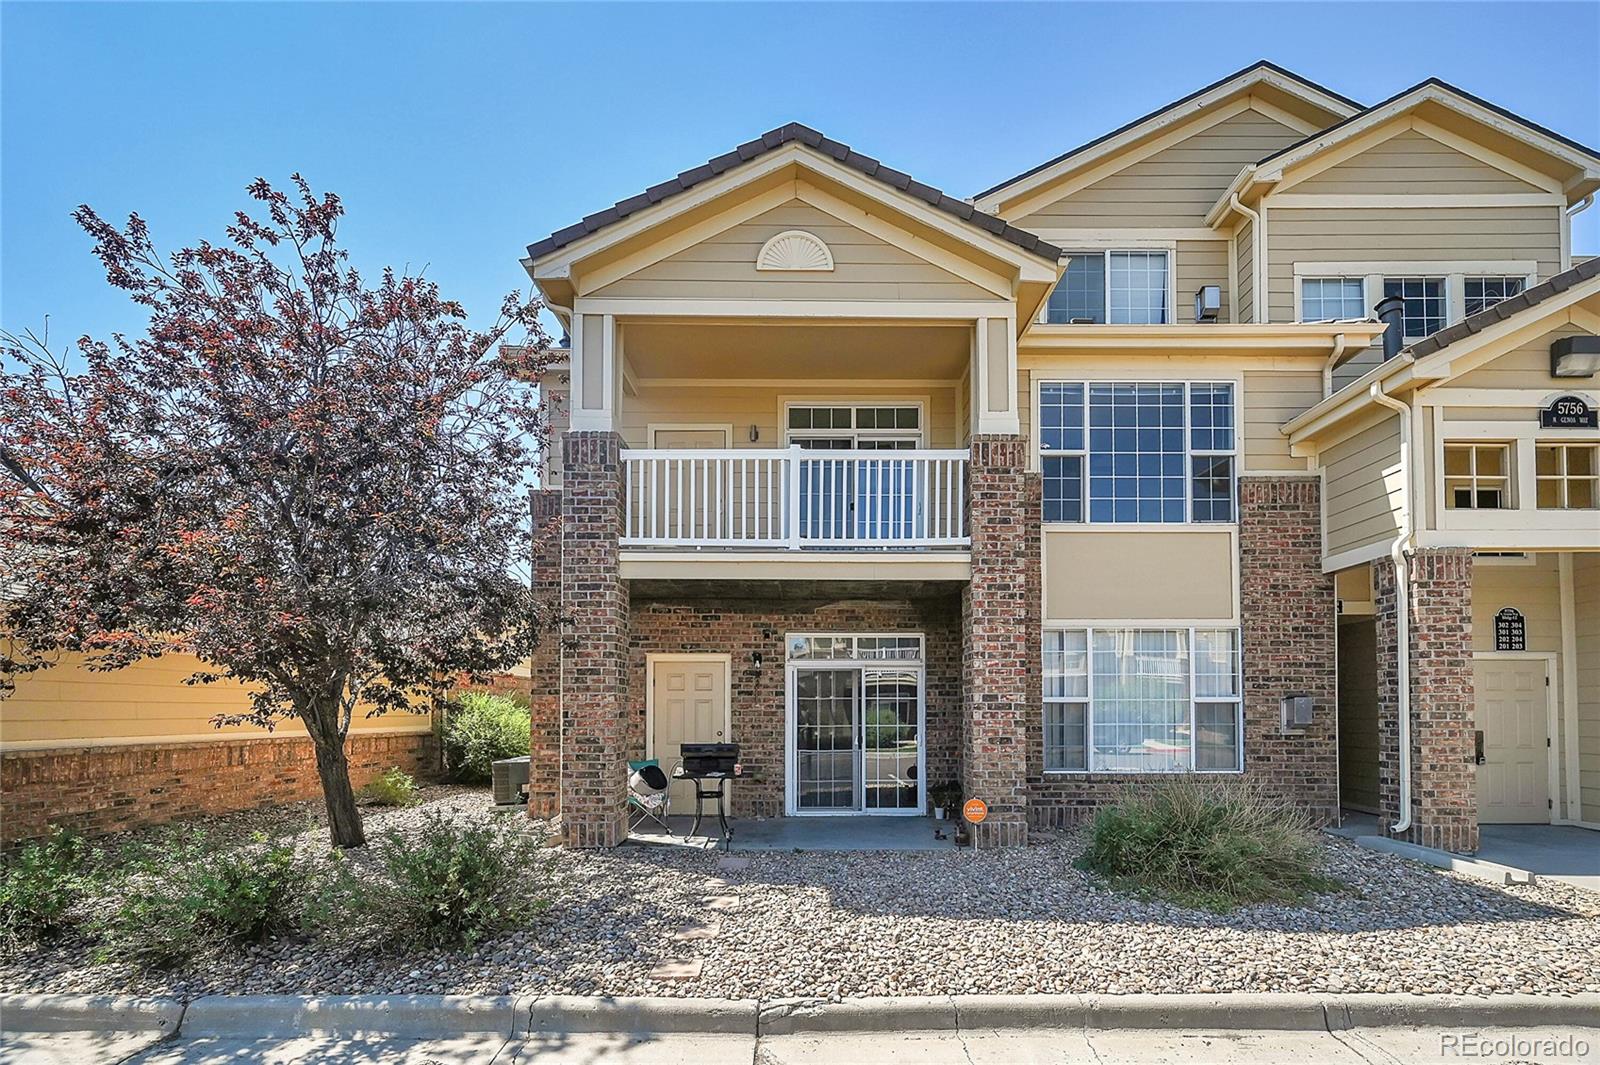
(1330, 299)
(1424, 298)
(1137, 451)
(1119, 287)
(1481, 293)
(1160, 700)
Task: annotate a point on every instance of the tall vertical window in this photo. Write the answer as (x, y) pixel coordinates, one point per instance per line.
(1142, 700)
(1425, 304)
(1327, 299)
(1481, 293)
(1137, 451)
(1568, 476)
(1477, 476)
(1120, 287)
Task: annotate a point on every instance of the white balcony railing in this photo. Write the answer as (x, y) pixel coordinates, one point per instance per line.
(795, 498)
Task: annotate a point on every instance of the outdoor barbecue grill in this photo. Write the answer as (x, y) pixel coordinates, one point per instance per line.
(710, 766)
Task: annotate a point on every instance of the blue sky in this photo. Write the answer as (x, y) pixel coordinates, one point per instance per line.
(458, 134)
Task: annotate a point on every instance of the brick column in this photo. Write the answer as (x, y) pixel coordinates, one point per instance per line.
(544, 748)
(1444, 796)
(995, 637)
(594, 658)
(1288, 630)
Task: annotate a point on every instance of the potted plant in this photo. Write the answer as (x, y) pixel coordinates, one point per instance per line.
(946, 799)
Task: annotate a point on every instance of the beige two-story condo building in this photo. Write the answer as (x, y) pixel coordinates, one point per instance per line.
(1255, 437)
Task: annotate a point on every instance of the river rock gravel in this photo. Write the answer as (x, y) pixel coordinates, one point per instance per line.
(837, 925)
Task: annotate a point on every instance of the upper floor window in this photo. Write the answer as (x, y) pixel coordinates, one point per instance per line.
(1568, 476)
(1327, 299)
(1477, 476)
(1425, 303)
(841, 427)
(1119, 287)
(1481, 293)
(1137, 451)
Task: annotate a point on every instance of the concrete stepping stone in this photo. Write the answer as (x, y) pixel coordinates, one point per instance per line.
(703, 930)
(733, 865)
(722, 902)
(677, 969)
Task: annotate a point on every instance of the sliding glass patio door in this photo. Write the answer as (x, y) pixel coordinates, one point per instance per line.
(855, 728)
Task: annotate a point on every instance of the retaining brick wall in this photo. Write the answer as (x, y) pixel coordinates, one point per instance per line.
(741, 629)
(96, 790)
(1287, 641)
(1444, 796)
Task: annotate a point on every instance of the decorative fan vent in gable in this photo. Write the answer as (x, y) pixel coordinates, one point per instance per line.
(794, 249)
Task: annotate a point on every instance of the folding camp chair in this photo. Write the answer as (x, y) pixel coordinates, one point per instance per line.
(649, 795)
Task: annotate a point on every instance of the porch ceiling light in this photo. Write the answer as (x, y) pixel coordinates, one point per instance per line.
(1575, 356)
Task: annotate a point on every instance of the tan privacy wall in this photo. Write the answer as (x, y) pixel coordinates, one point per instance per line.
(1095, 575)
(723, 266)
(1364, 491)
(1586, 600)
(764, 406)
(69, 705)
(1174, 187)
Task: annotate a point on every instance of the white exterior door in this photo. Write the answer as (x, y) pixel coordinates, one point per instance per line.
(688, 704)
(1512, 709)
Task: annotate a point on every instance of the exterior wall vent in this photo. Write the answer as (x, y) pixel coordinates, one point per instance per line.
(794, 249)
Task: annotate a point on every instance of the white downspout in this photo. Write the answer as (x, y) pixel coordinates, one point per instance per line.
(1402, 607)
(1256, 295)
(1581, 206)
(1327, 367)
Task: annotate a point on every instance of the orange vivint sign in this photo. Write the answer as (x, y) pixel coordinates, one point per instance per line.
(975, 810)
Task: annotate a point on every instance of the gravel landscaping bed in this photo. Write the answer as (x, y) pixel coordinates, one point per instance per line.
(848, 924)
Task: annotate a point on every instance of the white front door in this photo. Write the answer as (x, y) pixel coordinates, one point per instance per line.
(688, 704)
(1512, 710)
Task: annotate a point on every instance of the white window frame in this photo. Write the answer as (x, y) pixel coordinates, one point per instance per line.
(1300, 294)
(855, 433)
(1508, 449)
(1190, 453)
(1167, 248)
(1453, 271)
(1565, 478)
(1189, 628)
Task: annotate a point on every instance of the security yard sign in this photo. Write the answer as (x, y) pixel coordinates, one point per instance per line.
(975, 810)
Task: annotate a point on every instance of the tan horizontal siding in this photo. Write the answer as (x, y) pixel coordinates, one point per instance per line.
(763, 406)
(1412, 163)
(1200, 262)
(1363, 488)
(1358, 364)
(865, 266)
(1244, 246)
(1272, 397)
(1586, 601)
(1173, 188)
(71, 704)
(1434, 234)
(1527, 366)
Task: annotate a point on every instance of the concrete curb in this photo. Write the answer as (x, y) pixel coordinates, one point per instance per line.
(452, 1016)
(81, 1013)
(1493, 872)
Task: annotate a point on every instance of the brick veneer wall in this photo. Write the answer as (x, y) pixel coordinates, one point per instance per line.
(106, 789)
(1444, 797)
(594, 600)
(741, 629)
(1287, 639)
(996, 608)
(544, 705)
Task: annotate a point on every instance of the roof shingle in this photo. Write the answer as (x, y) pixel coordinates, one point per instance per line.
(1506, 308)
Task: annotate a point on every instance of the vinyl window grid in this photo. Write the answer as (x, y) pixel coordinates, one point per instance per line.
(1134, 285)
(851, 425)
(1210, 443)
(1069, 708)
(1481, 293)
(1477, 477)
(1330, 299)
(854, 647)
(1427, 306)
(1567, 476)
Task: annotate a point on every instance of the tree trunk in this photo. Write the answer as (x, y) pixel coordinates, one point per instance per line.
(344, 820)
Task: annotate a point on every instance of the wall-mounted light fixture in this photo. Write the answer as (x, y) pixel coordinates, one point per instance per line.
(1297, 710)
(1575, 356)
(755, 433)
(755, 659)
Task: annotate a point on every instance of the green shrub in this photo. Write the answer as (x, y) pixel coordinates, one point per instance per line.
(481, 728)
(1214, 844)
(443, 883)
(395, 788)
(192, 899)
(39, 883)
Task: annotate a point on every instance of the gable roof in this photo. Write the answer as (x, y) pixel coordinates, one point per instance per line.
(795, 133)
(1260, 71)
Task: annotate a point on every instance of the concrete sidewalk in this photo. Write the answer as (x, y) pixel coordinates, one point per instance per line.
(461, 1030)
